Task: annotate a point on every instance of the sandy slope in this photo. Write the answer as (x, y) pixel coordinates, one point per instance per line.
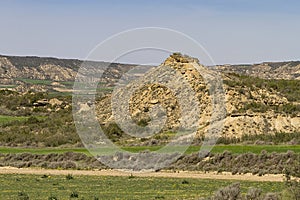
(167, 174)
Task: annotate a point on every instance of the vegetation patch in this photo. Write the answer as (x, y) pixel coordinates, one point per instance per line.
(288, 88)
(6, 119)
(257, 164)
(106, 187)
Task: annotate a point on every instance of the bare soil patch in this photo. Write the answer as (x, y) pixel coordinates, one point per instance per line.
(166, 174)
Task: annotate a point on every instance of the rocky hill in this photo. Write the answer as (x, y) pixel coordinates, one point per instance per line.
(254, 106)
(260, 99)
(48, 74)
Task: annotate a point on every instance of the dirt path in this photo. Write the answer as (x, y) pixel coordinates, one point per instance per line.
(166, 174)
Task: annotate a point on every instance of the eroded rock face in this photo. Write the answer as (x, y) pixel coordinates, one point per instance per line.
(19, 71)
(42, 72)
(268, 70)
(266, 123)
(238, 120)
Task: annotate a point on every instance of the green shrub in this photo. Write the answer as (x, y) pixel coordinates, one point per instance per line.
(69, 177)
(44, 176)
(131, 176)
(113, 131)
(23, 196)
(143, 122)
(74, 194)
(276, 138)
(159, 197)
(52, 197)
(288, 88)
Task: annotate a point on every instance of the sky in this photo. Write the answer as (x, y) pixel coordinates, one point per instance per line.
(231, 31)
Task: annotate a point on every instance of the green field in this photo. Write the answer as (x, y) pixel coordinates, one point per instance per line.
(6, 119)
(35, 81)
(7, 86)
(68, 84)
(109, 187)
(236, 149)
(13, 150)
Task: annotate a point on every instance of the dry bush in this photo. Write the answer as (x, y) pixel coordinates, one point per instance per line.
(231, 192)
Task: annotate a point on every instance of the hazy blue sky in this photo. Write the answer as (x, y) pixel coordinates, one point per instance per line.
(232, 31)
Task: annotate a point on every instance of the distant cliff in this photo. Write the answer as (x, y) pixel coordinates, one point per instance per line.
(43, 74)
(266, 70)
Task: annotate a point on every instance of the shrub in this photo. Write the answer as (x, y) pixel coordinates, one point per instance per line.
(271, 196)
(253, 194)
(131, 176)
(143, 122)
(44, 176)
(231, 192)
(23, 196)
(52, 198)
(74, 195)
(69, 165)
(159, 197)
(69, 177)
(293, 186)
(113, 131)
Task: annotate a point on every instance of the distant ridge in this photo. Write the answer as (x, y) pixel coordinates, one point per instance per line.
(265, 70)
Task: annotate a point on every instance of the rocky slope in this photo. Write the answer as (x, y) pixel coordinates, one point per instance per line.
(249, 110)
(18, 72)
(38, 68)
(266, 70)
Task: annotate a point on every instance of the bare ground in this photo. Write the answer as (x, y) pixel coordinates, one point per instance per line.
(166, 174)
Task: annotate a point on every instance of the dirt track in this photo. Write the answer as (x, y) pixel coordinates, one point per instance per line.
(182, 174)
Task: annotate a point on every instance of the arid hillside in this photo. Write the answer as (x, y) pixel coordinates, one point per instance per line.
(255, 104)
(267, 70)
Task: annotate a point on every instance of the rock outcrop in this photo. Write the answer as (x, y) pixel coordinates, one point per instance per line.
(239, 120)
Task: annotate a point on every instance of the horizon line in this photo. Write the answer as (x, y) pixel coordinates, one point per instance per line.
(127, 63)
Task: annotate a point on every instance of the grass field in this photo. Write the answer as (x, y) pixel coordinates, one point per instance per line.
(68, 84)
(13, 150)
(236, 149)
(5, 119)
(36, 81)
(109, 187)
(7, 86)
